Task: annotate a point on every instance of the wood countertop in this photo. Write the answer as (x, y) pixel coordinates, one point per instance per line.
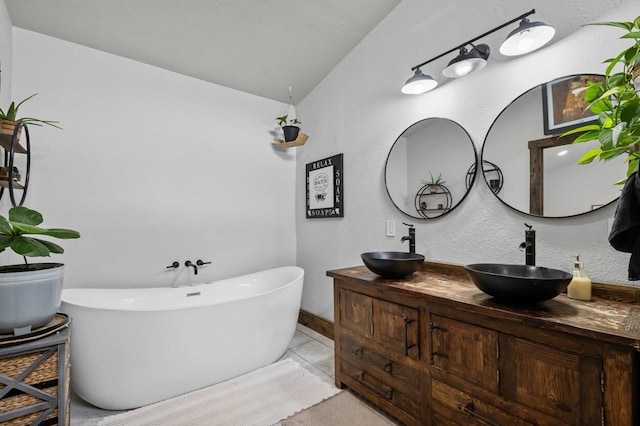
(613, 314)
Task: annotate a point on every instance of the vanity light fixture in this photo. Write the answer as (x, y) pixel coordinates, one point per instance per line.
(528, 37)
(419, 83)
(467, 62)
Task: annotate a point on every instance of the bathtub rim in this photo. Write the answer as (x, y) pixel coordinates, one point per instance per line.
(185, 289)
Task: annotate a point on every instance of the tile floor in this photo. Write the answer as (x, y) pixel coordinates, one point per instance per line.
(310, 349)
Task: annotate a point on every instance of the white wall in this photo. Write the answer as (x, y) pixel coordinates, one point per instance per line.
(358, 110)
(6, 50)
(152, 167)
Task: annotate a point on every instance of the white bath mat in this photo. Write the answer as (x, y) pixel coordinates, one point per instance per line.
(261, 397)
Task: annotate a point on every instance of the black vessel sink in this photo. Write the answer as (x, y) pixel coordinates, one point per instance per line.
(518, 283)
(392, 264)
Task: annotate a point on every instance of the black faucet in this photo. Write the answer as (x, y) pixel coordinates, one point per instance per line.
(529, 246)
(411, 238)
(195, 267)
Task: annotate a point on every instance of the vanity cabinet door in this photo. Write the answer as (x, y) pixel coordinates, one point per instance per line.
(392, 325)
(565, 385)
(356, 312)
(396, 327)
(465, 350)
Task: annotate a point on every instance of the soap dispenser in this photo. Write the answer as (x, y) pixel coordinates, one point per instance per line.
(580, 286)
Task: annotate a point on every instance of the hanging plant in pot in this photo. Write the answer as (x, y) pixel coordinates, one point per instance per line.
(9, 119)
(29, 293)
(290, 128)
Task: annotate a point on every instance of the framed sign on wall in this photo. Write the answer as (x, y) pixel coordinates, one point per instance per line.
(324, 188)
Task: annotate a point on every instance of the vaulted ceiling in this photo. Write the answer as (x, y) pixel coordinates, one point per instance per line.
(261, 47)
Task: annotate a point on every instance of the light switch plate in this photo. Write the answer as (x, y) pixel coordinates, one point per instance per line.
(391, 228)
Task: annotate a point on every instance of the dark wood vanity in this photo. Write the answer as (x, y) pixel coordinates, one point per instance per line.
(432, 349)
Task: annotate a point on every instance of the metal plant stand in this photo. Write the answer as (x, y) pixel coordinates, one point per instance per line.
(433, 201)
(11, 147)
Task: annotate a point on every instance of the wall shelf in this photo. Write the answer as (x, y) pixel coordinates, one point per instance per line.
(440, 196)
(300, 140)
(5, 142)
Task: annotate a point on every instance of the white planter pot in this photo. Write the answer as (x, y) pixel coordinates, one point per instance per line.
(29, 299)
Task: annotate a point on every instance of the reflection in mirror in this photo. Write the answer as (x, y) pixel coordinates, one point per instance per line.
(540, 173)
(427, 166)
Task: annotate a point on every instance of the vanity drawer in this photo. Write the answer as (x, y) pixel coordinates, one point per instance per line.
(451, 406)
(379, 390)
(371, 359)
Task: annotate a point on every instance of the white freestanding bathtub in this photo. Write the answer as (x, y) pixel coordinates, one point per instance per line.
(133, 347)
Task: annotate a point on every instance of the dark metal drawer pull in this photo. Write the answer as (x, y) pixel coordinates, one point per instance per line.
(469, 408)
(359, 352)
(388, 368)
(407, 346)
(433, 326)
(360, 379)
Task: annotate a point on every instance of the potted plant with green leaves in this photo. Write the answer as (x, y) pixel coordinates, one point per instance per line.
(9, 118)
(616, 103)
(290, 127)
(30, 293)
(434, 183)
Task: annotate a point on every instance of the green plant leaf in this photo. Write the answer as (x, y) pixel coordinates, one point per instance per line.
(282, 120)
(5, 241)
(613, 63)
(606, 138)
(585, 128)
(625, 25)
(23, 228)
(634, 34)
(53, 248)
(61, 233)
(30, 247)
(5, 226)
(24, 215)
(630, 110)
(587, 137)
(605, 155)
(589, 156)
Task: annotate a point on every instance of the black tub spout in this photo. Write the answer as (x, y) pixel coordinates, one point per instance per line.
(195, 267)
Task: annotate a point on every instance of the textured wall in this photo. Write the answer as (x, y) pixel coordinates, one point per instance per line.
(152, 167)
(359, 110)
(6, 49)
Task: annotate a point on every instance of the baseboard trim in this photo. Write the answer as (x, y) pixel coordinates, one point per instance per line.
(316, 323)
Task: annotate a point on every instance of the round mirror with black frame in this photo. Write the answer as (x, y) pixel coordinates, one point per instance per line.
(539, 167)
(426, 169)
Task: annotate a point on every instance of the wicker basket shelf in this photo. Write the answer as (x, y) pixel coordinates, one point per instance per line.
(34, 380)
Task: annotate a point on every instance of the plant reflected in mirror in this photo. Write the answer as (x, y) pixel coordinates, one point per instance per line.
(426, 169)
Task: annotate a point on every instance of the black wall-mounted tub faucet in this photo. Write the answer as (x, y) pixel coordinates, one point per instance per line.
(193, 265)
